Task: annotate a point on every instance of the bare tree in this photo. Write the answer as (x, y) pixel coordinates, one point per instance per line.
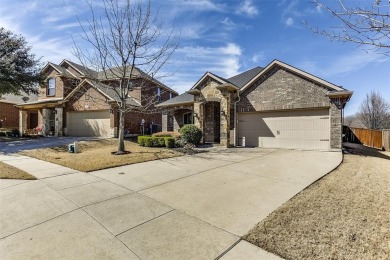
(362, 25)
(127, 44)
(374, 111)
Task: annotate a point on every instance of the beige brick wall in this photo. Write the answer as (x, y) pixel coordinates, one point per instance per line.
(282, 90)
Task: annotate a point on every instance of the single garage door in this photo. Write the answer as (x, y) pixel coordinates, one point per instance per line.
(89, 123)
(299, 129)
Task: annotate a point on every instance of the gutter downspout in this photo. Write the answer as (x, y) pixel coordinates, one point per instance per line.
(235, 118)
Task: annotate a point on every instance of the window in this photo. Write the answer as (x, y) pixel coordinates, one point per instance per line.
(51, 87)
(170, 95)
(158, 94)
(187, 118)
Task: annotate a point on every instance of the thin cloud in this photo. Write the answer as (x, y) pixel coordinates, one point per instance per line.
(247, 8)
(228, 23)
(289, 21)
(196, 5)
(193, 61)
(345, 64)
(256, 58)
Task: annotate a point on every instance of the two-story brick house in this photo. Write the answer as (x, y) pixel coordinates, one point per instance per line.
(78, 101)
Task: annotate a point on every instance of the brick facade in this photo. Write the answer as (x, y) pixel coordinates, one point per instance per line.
(9, 115)
(284, 90)
(280, 90)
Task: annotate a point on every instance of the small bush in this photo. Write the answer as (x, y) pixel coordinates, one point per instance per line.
(169, 142)
(191, 134)
(175, 135)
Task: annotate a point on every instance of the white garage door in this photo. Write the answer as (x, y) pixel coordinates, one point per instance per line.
(91, 123)
(300, 129)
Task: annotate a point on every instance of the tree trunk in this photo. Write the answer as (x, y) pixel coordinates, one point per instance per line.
(121, 141)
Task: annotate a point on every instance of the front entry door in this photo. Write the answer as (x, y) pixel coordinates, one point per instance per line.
(212, 122)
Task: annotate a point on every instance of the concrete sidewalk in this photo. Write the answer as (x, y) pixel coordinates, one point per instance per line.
(190, 207)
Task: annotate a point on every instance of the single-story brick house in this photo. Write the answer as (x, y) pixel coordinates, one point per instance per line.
(78, 101)
(278, 106)
(9, 114)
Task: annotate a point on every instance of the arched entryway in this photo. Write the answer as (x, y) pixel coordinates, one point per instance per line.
(212, 119)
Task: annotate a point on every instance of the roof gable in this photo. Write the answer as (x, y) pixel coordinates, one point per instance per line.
(290, 68)
(86, 81)
(51, 65)
(212, 76)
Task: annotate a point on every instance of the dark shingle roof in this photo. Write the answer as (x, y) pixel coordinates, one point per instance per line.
(85, 71)
(110, 92)
(181, 99)
(241, 79)
(116, 72)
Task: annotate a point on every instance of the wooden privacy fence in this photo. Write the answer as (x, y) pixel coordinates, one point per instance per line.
(373, 138)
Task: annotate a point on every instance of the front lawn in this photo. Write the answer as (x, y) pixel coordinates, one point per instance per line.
(11, 172)
(96, 155)
(345, 215)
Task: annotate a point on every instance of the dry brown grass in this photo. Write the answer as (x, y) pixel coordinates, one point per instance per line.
(11, 172)
(96, 155)
(345, 215)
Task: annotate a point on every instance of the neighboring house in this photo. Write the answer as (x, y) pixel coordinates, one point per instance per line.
(77, 101)
(278, 106)
(9, 114)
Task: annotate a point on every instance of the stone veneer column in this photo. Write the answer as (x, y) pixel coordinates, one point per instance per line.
(335, 127)
(164, 122)
(22, 122)
(58, 127)
(225, 119)
(45, 121)
(198, 120)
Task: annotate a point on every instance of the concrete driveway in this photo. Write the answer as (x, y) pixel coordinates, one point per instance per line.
(190, 207)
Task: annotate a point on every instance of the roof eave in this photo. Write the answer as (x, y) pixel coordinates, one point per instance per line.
(229, 87)
(340, 94)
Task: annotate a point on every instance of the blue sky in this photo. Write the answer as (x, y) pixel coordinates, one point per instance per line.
(224, 37)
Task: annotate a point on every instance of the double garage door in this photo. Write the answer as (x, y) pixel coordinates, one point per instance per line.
(91, 123)
(299, 129)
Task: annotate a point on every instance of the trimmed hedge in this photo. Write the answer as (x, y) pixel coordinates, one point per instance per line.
(151, 141)
(175, 135)
(169, 142)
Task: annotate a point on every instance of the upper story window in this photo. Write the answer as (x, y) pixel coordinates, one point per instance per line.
(170, 95)
(51, 87)
(158, 94)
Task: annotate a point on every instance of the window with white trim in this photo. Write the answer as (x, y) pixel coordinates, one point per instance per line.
(170, 95)
(51, 87)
